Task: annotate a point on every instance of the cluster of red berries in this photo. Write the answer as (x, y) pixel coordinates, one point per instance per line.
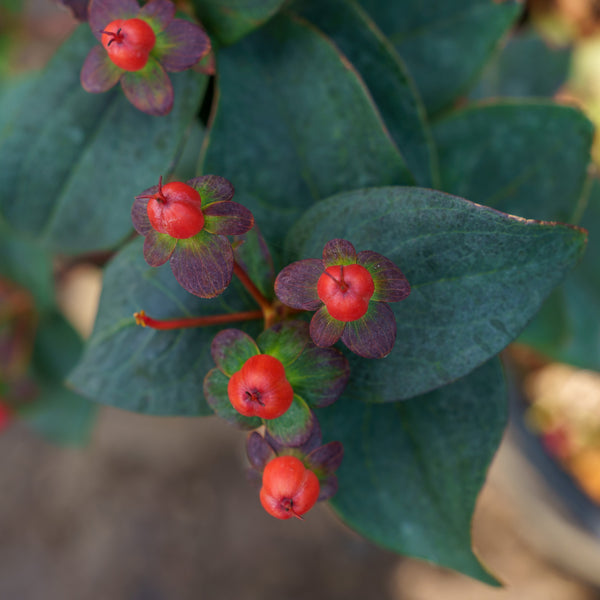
(276, 381)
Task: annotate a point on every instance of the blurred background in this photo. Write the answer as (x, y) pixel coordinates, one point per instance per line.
(160, 508)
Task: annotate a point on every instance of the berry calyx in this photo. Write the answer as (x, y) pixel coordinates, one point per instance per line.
(176, 209)
(128, 43)
(289, 489)
(346, 290)
(260, 388)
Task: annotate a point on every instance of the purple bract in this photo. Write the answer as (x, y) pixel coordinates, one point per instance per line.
(202, 264)
(372, 335)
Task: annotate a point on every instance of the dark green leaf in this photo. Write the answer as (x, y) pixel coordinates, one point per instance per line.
(412, 470)
(145, 370)
(230, 20)
(24, 263)
(526, 67)
(567, 328)
(309, 127)
(73, 161)
(384, 72)
(528, 159)
(444, 44)
(252, 254)
(477, 277)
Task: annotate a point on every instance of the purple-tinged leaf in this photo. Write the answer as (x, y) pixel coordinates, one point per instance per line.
(311, 443)
(259, 451)
(295, 426)
(158, 248)
(227, 218)
(79, 8)
(324, 329)
(319, 375)
(139, 212)
(296, 284)
(158, 14)
(99, 73)
(338, 252)
(326, 459)
(103, 12)
(203, 264)
(231, 348)
(285, 341)
(328, 488)
(181, 45)
(215, 393)
(374, 334)
(390, 283)
(212, 188)
(149, 89)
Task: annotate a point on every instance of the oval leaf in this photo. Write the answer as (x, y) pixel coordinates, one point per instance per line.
(412, 470)
(306, 102)
(142, 369)
(386, 76)
(477, 276)
(528, 159)
(444, 44)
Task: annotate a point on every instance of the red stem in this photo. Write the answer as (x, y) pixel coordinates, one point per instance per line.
(145, 321)
(264, 304)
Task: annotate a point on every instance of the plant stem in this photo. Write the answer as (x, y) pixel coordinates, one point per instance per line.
(264, 304)
(145, 321)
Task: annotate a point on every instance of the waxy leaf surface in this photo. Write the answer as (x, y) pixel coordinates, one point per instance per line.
(309, 126)
(73, 161)
(142, 369)
(412, 470)
(525, 158)
(526, 67)
(230, 20)
(444, 43)
(385, 74)
(477, 276)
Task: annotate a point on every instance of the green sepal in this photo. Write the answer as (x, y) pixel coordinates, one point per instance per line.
(285, 341)
(294, 427)
(231, 348)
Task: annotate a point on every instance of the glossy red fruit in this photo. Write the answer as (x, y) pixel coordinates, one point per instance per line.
(176, 209)
(128, 43)
(260, 388)
(346, 291)
(289, 489)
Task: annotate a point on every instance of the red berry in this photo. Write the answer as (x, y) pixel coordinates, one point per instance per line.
(346, 291)
(260, 388)
(176, 209)
(289, 489)
(128, 43)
